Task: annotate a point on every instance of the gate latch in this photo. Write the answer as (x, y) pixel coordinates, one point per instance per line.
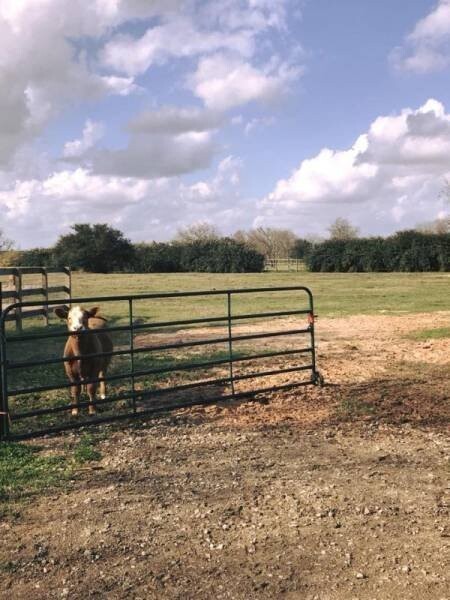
(312, 317)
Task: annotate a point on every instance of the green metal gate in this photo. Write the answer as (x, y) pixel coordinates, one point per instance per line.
(147, 378)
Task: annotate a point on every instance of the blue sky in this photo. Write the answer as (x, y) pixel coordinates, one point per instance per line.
(152, 115)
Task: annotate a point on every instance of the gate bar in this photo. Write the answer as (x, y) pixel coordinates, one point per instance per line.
(140, 350)
(144, 326)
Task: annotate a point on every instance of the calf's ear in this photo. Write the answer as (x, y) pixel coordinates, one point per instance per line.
(62, 312)
(93, 311)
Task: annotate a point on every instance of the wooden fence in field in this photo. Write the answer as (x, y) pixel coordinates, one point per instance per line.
(284, 264)
(17, 288)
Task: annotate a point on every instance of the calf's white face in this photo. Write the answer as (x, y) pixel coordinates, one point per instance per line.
(77, 319)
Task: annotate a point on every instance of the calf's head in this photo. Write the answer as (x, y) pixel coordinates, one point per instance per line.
(77, 317)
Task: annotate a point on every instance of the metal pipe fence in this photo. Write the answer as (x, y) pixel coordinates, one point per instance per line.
(32, 404)
(17, 290)
(284, 264)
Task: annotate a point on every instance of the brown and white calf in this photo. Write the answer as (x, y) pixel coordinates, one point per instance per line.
(82, 344)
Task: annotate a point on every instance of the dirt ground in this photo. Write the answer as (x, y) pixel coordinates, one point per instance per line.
(341, 492)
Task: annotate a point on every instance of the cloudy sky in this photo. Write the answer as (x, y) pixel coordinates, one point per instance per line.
(153, 114)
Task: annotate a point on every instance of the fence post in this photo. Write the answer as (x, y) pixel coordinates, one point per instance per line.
(4, 412)
(18, 290)
(131, 340)
(45, 294)
(69, 293)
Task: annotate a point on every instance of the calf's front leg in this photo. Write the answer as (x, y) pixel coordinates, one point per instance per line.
(75, 392)
(91, 390)
(102, 385)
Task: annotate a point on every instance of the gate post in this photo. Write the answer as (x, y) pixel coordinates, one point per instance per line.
(69, 281)
(45, 294)
(4, 413)
(18, 289)
(131, 342)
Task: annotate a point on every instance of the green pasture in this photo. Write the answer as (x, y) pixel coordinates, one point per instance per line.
(335, 294)
(437, 333)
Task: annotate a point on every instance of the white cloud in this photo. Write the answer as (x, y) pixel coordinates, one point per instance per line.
(256, 15)
(48, 63)
(427, 47)
(197, 28)
(122, 86)
(59, 57)
(165, 142)
(257, 123)
(176, 38)
(92, 132)
(175, 120)
(43, 66)
(435, 26)
(153, 156)
(224, 81)
(389, 179)
(37, 210)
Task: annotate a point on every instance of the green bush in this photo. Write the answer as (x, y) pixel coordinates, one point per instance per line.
(157, 258)
(407, 251)
(95, 248)
(37, 257)
(223, 255)
(301, 248)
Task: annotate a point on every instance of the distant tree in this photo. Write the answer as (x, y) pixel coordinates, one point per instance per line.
(270, 242)
(197, 232)
(301, 248)
(445, 192)
(342, 229)
(438, 226)
(37, 257)
(5, 243)
(95, 248)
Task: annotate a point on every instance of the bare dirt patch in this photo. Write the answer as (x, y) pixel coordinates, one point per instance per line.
(332, 493)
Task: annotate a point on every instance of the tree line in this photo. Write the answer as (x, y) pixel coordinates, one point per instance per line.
(103, 249)
(409, 251)
(200, 247)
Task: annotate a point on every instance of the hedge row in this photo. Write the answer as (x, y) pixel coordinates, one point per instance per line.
(222, 255)
(408, 251)
(405, 251)
(214, 256)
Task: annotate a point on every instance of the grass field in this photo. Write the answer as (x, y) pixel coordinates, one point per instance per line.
(334, 294)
